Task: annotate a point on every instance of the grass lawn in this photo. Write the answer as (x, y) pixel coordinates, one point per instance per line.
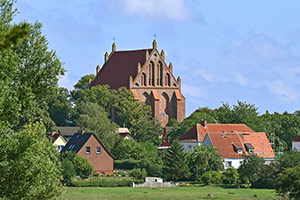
(182, 193)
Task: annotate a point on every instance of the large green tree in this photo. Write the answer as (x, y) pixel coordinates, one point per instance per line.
(202, 160)
(29, 72)
(288, 183)
(251, 168)
(93, 118)
(60, 108)
(29, 164)
(175, 163)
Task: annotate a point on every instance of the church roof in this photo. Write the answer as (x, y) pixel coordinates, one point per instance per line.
(119, 67)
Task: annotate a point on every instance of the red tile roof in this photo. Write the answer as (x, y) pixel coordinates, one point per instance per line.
(297, 139)
(198, 132)
(119, 67)
(261, 144)
(165, 142)
(225, 143)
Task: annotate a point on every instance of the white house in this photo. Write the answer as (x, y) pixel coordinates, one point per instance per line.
(195, 136)
(232, 147)
(296, 143)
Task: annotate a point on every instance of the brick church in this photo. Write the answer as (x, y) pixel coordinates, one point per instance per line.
(147, 75)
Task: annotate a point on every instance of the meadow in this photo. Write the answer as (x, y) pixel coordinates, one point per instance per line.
(180, 193)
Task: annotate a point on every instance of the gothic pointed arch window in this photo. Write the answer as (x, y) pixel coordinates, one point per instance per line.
(143, 79)
(168, 80)
(160, 74)
(151, 73)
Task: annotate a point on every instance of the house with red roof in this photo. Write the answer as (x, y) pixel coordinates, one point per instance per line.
(233, 146)
(89, 146)
(296, 143)
(196, 135)
(146, 73)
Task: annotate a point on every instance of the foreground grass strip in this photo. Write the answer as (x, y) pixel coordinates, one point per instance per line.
(187, 193)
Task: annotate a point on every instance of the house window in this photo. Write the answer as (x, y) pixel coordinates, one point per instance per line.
(60, 147)
(228, 163)
(88, 150)
(98, 150)
(102, 173)
(241, 162)
(240, 151)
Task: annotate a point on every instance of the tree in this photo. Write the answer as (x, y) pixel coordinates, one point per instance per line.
(28, 72)
(81, 85)
(175, 163)
(148, 131)
(204, 159)
(201, 114)
(250, 169)
(28, 162)
(93, 118)
(288, 183)
(60, 108)
(68, 171)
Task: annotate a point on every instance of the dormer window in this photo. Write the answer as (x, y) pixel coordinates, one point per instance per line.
(249, 147)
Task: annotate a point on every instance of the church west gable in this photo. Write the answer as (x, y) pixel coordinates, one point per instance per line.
(149, 78)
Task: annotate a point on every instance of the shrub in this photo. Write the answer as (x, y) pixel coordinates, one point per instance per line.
(231, 176)
(68, 171)
(212, 177)
(82, 167)
(102, 183)
(138, 174)
(127, 164)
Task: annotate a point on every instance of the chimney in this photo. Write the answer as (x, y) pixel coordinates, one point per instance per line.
(154, 44)
(106, 57)
(97, 69)
(114, 47)
(162, 54)
(203, 123)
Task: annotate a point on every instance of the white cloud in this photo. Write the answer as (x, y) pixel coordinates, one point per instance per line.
(240, 79)
(204, 74)
(283, 91)
(66, 82)
(170, 9)
(193, 91)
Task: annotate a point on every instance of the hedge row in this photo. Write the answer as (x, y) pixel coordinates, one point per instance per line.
(127, 164)
(101, 183)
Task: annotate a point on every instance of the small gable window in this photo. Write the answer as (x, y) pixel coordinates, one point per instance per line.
(98, 150)
(87, 150)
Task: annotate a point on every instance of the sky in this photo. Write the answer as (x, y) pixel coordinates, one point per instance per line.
(224, 51)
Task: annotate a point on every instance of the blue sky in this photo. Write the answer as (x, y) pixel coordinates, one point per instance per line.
(224, 51)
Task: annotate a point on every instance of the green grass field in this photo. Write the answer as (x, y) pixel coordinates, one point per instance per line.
(182, 193)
